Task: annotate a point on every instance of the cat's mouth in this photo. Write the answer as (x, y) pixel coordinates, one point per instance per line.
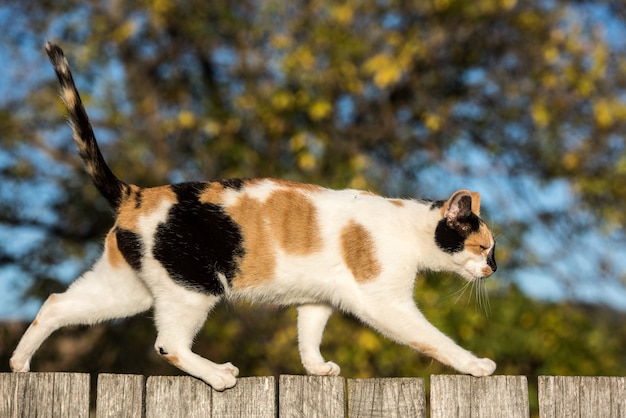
(487, 271)
(471, 276)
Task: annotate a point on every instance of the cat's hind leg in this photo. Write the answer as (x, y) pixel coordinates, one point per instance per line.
(312, 320)
(105, 292)
(179, 315)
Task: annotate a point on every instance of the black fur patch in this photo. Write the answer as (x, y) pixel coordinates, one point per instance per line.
(491, 258)
(129, 244)
(436, 204)
(451, 239)
(138, 198)
(235, 184)
(198, 242)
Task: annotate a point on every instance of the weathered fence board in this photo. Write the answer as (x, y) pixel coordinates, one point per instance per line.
(120, 395)
(485, 397)
(177, 396)
(311, 397)
(576, 396)
(67, 395)
(253, 397)
(44, 395)
(387, 398)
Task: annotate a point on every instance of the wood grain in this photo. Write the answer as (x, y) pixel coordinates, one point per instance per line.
(387, 398)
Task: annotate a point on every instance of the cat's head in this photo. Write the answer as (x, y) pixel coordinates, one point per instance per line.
(465, 237)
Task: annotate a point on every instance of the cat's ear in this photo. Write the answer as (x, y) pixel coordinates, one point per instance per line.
(459, 206)
(476, 203)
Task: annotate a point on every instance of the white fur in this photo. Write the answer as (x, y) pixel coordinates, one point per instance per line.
(318, 283)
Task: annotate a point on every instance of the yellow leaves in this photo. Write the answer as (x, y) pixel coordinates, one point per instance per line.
(161, 7)
(301, 59)
(319, 109)
(509, 4)
(342, 13)
(212, 127)
(125, 31)
(307, 149)
(186, 119)
(530, 19)
(359, 164)
(607, 112)
(160, 10)
(571, 161)
(368, 341)
(280, 41)
(432, 121)
(385, 69)
(603, 113)
(540, 114)
(282, 100)
(551, 54)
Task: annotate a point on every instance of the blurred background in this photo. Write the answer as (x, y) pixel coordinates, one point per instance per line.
(523, 101)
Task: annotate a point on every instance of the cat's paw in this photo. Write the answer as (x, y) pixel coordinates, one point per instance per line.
(481, 367)
(230, 368)
(19, 365)
(221, 380)
(323, 369)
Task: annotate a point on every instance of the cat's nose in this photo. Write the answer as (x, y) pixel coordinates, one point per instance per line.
(491, 259)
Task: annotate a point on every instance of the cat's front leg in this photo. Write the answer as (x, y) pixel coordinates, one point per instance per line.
(403, 322)
(179, 314)
(312, 320)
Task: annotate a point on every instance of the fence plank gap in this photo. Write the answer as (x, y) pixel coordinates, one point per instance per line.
(578, 396)
(120, 395)
(387, 398)
(44, 395)
(311, 396)
(467, 396)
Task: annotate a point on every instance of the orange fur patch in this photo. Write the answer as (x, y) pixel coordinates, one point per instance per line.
(481, 238)
(476, 203)
(173, 360)
(142, 202)
(396, 202)
(258, 263)
(357, 247)
(427, 349)
(213, 193)
(293, 222)
(486, 271)
(115, 257)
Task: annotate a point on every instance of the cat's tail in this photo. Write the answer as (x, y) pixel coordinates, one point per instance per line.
(113, 189)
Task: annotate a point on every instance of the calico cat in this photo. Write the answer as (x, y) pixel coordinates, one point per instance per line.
(181, 248)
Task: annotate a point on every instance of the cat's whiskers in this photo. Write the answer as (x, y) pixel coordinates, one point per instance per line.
(460, 292)
(482, 296)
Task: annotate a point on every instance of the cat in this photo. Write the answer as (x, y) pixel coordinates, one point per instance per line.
(179, 249)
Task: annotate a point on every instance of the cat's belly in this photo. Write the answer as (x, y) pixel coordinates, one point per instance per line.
(299, 281)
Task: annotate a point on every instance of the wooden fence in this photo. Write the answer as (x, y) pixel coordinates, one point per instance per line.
(128, 396)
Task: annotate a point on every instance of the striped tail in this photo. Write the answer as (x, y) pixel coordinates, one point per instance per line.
(112, 188)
